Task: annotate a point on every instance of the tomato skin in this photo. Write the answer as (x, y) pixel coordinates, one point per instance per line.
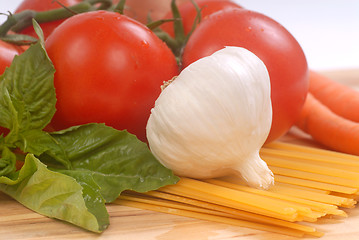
(43, 5)
(188, 13)
(4, 131)
(272, 43)
(109, 69)
(7, 54)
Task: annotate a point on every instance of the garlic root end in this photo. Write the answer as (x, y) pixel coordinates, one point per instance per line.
(256, 173)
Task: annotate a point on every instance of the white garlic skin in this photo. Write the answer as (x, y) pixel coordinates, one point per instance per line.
(212, 120)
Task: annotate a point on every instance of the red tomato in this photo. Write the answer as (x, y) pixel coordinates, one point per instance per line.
(7, 54)
(19, 164)
(188, 13)
(4, 131)
(271, 42)
(43, 5)
(109, 69)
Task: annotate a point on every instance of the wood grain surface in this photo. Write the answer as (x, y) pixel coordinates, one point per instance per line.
(18, 222)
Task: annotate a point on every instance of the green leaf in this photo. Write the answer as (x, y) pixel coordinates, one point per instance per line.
(7, 162)
(27, 93)
(92, 195)
(117, 159)
(19, 39)
(35, 141)
(38, 142)
(52, 194)
(38, 31)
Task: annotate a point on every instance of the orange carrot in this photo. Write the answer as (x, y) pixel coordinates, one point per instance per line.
(339, 98)
(328, 128)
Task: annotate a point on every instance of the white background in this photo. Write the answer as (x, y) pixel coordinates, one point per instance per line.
(328, 30)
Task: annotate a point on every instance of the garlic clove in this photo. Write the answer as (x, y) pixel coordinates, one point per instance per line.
(214, 118)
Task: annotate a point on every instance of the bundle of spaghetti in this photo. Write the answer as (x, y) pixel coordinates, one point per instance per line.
(320, 153)
(310, 184)
(258, 208)
(240, 200)
(315, 185)
(314, 168)
(319, 207)
(183, 206)
(310, 155)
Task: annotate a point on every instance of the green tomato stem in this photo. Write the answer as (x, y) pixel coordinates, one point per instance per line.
(177, 25)
(120, 7)
(172, 43)
(7, 25)
(19, 21)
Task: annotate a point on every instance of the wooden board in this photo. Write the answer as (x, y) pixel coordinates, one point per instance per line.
(18, 222)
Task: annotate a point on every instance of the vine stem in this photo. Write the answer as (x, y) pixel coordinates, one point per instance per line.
(19, 21)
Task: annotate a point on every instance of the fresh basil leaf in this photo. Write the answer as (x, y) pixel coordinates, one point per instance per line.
(91, 194)
(118, 160)
(38, 31)
(2, 141)
(27, 93)
(50, 193)
(37, 142)
(7, 162)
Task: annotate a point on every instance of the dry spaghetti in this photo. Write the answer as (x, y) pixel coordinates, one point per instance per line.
(310, 184)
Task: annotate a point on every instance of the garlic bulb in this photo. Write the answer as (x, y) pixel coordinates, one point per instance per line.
(212, 120)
